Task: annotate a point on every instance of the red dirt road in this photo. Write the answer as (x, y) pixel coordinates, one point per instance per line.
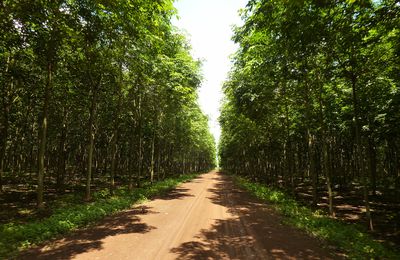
(207, 218)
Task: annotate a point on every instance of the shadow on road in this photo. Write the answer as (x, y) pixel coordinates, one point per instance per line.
(253, 232)
(219, 242)
(90, 239)
(175, 194)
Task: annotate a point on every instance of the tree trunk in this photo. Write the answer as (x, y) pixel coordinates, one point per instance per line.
(91, 134)
(130, 162)
(4, 126)
(62, 154)
(152, 158)
(140, 161)
(325, 163)
(43, 136)
(328, 177)
(3, 141)
(158, 160)
(140, 152)
(358, 156)
(113, 159)
(372, 163)
(183, 163)
(114, 144)
(311, 169)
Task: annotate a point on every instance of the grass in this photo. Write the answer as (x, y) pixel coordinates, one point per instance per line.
(70, 213)
(351, 238)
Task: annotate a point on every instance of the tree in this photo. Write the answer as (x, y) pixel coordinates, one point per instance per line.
(106, 86)
(309, 81)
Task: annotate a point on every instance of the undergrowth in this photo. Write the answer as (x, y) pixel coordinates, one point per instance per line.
(70, 213)
(351, 238)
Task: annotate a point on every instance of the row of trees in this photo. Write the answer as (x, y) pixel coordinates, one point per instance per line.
(97, 89)
(314, 94)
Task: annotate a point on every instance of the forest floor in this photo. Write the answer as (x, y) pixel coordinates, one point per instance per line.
(207, 218)
(349, 207)
(18, 202)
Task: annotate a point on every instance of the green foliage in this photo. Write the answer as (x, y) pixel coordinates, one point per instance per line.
(351, 238)
(106, 83)
(110, 89)
(313, 98)
(70, 214)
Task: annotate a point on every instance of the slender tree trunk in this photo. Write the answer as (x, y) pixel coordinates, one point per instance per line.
(312, 169)
(397, 184)
(43, 136)
(158, 159)
(62, 153)
(114, 144)
(287, 145)
(3, 141)
(91, 135)
(140, 152)
(372, 163)
(166, 166)
(4, 126)
(152, 158)
(113, 160)
(2, 155)
(183, 163)
(140, 161)
(325, 162)
(328, 177)
(130, 162)
(358, 156)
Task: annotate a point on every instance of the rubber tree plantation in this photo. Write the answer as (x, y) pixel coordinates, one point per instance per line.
(312, 106)
(99, 113)
(94, 95)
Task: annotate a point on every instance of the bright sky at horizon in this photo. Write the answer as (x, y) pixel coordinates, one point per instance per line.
(208, 24)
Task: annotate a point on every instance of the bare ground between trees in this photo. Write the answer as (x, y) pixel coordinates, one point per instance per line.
(18, 201)
(207, 218)
(349, 207)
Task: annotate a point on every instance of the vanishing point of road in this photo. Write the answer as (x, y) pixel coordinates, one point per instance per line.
(206, 218)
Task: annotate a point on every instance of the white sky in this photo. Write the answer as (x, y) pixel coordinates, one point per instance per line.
(208, 24)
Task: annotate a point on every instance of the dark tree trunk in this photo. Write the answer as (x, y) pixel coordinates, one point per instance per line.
(358, 151)
(91, 135)
(62, 155)
(372, 163)
(152, 163)
(114, 144)
(113, 160)
(43, 136)
(3, 141)
(140, 152)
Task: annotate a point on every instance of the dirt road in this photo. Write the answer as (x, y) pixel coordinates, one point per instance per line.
(207, 218)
